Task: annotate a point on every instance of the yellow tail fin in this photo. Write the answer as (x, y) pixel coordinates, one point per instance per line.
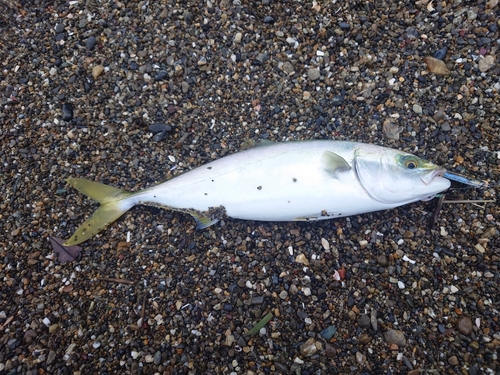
(114, 203)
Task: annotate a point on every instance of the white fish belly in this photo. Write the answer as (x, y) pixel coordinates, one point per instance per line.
(281, 182)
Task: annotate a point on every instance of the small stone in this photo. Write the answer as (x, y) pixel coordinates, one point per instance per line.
(159, 127)
(330, 350)
(344, 26)
(237, 37)
(445, 126)
(364, 321)
(417, 109)
(308, 348)
(436, 66)
(382, 260)
(257, 300)
(453, 360)
(491, 4)
(395, 336)
(325, 244)
(337, 100)
(486, 63)
(67, 112)
(360, 358)
(97, 70)
(59, 28)
(464, 325)
(287, 67)
(328, 333)
(90, 43)
(268, 19)
(51, 357)
(161, 75)
(313, 74)
(301, 258)
(438, 115)
(440, 54)
(171, 109)
(133, 65)
(53, 328)
(373, 319)
(391, 130)
(365, 339)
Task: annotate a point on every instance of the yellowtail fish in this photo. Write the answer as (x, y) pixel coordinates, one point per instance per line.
(290, 181)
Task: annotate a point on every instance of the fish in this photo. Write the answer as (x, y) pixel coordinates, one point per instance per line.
(284, 181)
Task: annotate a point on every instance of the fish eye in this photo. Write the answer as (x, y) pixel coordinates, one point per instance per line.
(411, 165)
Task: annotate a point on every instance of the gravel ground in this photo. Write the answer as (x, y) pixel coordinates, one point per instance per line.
(81, 83)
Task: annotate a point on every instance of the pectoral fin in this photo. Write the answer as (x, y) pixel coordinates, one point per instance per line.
(334, 164)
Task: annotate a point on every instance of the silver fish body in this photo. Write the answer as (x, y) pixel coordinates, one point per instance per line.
(303, 180)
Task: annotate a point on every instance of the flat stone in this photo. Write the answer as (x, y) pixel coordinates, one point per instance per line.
(464, 325)
(395, 336)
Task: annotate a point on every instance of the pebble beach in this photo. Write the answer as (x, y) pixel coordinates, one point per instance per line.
(131, 93)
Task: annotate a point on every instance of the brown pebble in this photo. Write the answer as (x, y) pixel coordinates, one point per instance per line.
(436, 66)
(464, 325)
(453, 360)
(330, 350)
(365, 339)
(97, 70)
(382, 260)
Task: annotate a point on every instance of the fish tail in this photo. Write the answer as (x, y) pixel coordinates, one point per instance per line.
(114, 203)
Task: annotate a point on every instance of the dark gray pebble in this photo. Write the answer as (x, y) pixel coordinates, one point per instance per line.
(90, 43)
(440, 54)
(67, 111)
(328, 333)
(133, 65)
(364, 321)
(257, 300)
(337, 100)
(159, 136)
(159, 127)
(87, 86)
(161, 75)
(268, 19)
(344, 26)
(59, 28)
(171, 109)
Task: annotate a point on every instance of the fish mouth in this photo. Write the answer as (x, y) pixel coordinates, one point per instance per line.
(430, 176)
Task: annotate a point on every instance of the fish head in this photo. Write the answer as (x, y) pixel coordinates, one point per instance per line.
(396, 177)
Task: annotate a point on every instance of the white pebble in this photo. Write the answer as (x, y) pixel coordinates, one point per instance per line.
(249, 284)
(401, 285)
(325, 244)
(453, 289)
(46, 321)
(134, 354)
